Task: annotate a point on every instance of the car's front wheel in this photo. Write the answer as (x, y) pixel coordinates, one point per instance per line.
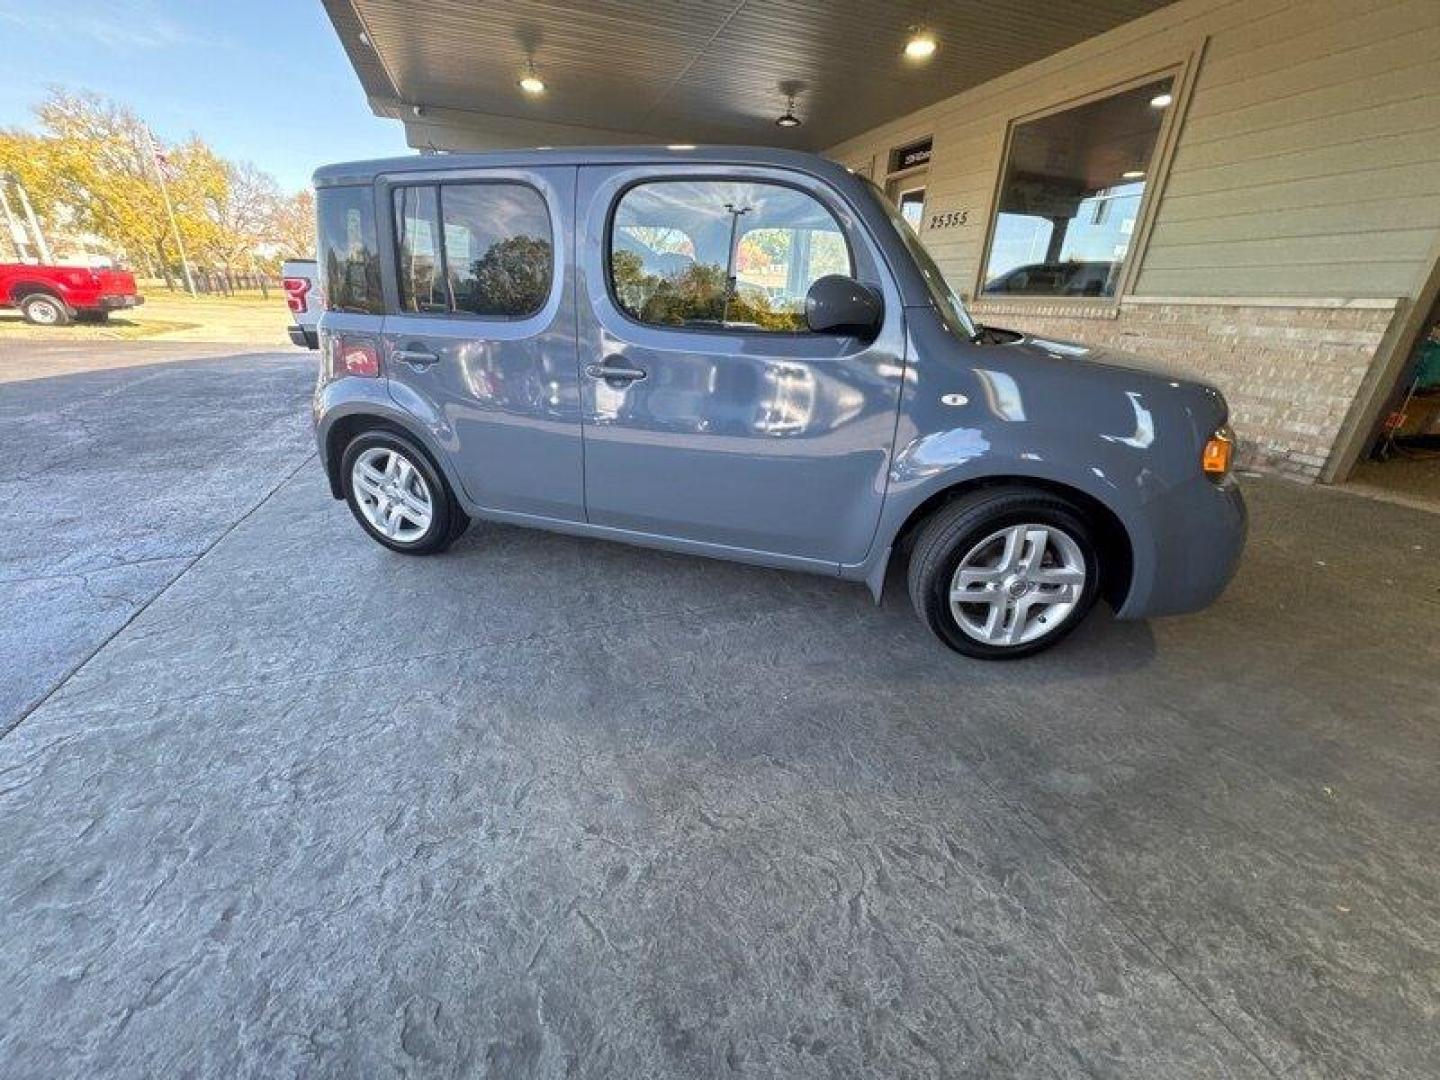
(398, 496)
(1004, 572)
(42, 309)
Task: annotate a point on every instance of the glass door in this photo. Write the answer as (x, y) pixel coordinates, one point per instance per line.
(908, 193)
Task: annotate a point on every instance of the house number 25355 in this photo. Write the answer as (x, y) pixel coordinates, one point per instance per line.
(950, 219)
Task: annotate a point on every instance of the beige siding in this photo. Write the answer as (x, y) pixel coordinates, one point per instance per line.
(1307, 163)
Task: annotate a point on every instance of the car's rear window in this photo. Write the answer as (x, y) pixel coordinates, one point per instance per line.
(349, 251)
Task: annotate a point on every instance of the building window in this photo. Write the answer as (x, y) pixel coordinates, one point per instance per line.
(481, 249)
(719, 254)
(1073, 185)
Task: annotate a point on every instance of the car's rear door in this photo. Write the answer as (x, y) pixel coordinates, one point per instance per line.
(480, 334)
(711, 414)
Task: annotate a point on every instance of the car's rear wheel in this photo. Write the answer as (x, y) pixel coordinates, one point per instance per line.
(42, 309)
(1004, 572)
(398, 496)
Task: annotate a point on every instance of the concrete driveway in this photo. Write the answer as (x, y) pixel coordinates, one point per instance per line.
(274, 801)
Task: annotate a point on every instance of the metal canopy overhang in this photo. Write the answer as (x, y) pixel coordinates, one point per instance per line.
(687, 71)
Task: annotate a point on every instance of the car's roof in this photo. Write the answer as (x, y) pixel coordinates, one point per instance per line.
(359, 172)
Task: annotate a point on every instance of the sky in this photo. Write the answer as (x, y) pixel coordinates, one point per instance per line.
(263, 81)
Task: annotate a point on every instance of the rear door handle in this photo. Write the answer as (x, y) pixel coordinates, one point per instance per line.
(416, 358)
(613, 370)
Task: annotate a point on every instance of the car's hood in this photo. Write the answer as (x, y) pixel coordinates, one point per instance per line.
(1095, 354)
(1204, 400)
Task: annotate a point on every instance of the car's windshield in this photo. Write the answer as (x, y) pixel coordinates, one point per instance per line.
(952, 310)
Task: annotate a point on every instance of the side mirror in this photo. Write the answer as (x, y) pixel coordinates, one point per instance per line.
(837, 304)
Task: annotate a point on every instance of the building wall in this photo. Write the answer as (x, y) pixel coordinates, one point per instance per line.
(1258, 353)
(1305, 177)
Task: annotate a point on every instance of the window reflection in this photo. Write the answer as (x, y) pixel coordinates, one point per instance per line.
(493, 241)
(422, 288)
(497, 248)
(722, 254)
(349, 254)
(1071, 196)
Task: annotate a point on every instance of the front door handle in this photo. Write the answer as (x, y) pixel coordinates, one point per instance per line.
(616, 369)
(416, 358)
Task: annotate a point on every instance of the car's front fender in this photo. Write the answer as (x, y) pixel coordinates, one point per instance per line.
(922, 475)
(1122, 439)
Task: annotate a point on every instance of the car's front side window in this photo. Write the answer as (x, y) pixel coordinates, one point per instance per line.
(721, 254)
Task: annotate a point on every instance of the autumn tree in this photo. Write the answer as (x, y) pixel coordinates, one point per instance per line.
(30, 158)
(105, 175)
(198, 179)
(293, 229)
(90, 169)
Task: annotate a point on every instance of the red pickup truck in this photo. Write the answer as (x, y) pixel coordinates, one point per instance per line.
(53, 295)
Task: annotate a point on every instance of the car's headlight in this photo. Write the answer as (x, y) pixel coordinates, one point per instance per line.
(1219, 451)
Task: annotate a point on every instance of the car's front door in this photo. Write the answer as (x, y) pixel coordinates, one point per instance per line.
(711, 413)
(480, 339)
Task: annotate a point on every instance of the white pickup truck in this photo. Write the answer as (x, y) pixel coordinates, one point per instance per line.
(301, 279)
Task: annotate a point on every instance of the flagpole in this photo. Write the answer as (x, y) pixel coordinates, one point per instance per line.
(12, 227)
(170, 210)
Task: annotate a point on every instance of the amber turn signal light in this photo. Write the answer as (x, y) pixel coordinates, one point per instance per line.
(1219, 449)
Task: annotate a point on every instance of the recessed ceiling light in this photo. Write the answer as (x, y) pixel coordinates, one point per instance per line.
(788, 119)
(532, 83)
(1159, 101)
(922, 45)
(1133, 174)
(681, 146)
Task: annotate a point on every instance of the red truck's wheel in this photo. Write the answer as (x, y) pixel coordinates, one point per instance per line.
(44, 310)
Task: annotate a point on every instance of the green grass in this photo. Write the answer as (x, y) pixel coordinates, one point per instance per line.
(246, 318)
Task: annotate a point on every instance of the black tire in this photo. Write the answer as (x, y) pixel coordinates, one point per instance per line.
(447, 520)
(42, 309)
(92, 315)
(957, 528)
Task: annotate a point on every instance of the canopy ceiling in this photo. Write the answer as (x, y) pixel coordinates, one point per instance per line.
(714, 71)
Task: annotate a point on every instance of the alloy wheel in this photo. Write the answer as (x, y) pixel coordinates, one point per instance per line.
(1018, 584)
(392, 494)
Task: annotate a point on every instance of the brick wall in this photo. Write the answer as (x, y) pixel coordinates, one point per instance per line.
(1290, 372)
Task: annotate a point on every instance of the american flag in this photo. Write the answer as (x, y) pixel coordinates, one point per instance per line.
(163, 165)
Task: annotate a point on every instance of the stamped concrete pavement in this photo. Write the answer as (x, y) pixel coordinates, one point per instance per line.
(549, 807)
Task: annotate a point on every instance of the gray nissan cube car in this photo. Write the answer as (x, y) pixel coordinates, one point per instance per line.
(746, 354)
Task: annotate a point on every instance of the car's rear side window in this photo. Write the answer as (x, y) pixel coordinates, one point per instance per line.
(482, 249)
(417, 244)
(349, 253)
